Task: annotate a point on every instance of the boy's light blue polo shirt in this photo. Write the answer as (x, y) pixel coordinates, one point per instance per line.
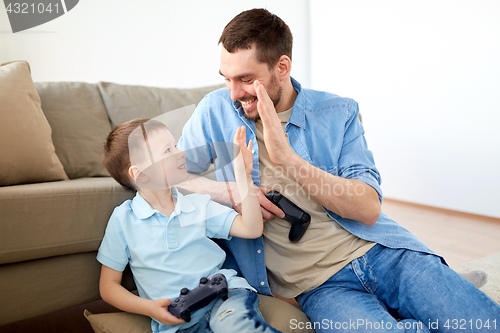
(167, 254)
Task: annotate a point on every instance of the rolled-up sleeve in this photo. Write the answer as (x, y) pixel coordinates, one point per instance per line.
(356, 160)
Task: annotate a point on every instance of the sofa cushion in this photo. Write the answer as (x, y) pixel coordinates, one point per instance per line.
(118, 322)
(126, 102)
(56, 218)
(26, 149)
(38, 287)
(79, 123)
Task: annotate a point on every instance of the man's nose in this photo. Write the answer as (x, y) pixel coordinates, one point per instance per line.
(236, 90)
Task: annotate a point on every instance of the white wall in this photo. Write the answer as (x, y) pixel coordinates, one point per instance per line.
(162, 43)
(426, 75)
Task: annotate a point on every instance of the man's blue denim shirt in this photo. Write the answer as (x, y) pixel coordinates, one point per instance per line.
(324, 129)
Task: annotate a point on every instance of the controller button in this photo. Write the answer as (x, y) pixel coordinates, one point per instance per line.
(184, 291)
(176, 300)
(203, 280)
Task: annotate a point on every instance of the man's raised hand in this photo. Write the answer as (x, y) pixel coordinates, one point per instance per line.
(275, 138)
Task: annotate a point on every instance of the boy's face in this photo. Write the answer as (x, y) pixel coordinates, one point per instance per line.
(162, 165)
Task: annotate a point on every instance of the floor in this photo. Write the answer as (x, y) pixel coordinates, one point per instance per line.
(458, 237)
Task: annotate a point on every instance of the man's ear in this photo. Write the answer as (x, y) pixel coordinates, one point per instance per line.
(284, 66)
(136, 174)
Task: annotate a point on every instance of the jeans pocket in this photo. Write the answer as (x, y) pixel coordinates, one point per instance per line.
(365, 274)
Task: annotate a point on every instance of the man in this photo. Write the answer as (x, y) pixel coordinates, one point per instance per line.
(354, 269)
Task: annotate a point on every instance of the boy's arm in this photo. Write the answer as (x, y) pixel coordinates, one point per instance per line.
(249, 224)
(115, 294)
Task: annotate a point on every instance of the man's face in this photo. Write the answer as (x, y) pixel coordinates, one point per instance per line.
(163, 164)
(241, 69)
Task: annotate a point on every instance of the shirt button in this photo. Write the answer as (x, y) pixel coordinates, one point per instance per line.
(262, 283)
(259, 251)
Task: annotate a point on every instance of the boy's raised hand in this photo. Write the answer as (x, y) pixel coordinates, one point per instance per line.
(243, 161)
(160, 313)
(244, 164)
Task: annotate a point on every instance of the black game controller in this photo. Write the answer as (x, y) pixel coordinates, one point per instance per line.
(191, 300)
(297, 217)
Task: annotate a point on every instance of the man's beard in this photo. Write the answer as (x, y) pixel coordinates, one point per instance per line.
(274, 91)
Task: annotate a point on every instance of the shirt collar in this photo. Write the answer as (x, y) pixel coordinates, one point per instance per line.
(143, 210)
(298, 117)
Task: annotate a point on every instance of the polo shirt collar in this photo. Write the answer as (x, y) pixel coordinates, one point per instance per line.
(298, 117)
(143, 210)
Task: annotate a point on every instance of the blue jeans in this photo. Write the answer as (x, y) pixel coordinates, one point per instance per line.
(417, 288)
(239, 313)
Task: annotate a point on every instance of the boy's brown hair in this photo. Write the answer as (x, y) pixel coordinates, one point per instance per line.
(116, 152)
(270, 34)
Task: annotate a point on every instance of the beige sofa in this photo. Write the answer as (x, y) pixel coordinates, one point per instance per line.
(55, 195)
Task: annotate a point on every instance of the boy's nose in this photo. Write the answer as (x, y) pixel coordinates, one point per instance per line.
(180, 153)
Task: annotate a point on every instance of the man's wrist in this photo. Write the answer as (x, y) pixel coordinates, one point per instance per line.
(224, 192)
(294, 162)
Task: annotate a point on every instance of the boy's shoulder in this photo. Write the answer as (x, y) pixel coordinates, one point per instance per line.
(195, 196)
(122, 211)
(204, 201)
(125, 206)
(198, 200)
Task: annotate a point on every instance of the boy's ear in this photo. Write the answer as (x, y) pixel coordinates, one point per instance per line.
(136, 174)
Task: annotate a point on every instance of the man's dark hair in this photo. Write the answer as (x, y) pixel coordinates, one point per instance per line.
(270, 34)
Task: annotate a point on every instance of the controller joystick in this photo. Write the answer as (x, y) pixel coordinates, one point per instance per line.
(191, 300)
(299, 219)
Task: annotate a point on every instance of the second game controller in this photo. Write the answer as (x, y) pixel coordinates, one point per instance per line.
(299, 219)
(191, 300)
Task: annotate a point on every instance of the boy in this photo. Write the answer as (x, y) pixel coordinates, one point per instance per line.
(163, 235)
